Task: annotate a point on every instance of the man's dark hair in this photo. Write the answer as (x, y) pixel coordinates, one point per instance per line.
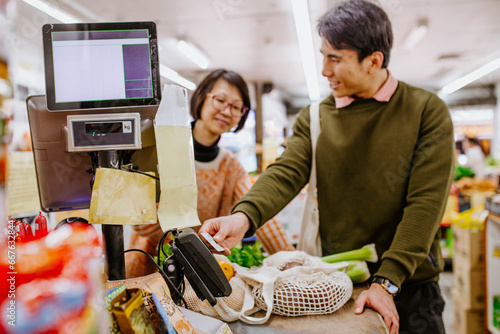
(360, 26)
(208, 83)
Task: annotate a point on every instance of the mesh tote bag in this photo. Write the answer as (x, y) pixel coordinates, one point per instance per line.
(294, 284)
(288, 283)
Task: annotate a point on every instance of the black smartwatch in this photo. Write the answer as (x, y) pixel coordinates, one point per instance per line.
(390, 287)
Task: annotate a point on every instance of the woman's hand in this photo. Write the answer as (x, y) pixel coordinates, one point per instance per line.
(227, 231)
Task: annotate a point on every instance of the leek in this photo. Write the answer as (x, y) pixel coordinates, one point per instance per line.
(358, 271)
(366, 253)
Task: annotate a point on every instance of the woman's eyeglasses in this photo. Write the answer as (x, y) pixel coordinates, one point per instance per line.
(219, 102)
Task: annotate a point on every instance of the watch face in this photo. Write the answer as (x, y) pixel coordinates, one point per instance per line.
(388, 286)
(392, 289)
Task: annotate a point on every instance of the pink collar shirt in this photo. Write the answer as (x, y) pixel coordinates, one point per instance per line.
(384, 94)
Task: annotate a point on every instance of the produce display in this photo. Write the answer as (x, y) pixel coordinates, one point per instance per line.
(468, 186)
(461, 172)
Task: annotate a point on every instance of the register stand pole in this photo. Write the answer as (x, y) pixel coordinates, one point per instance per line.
(112, 234)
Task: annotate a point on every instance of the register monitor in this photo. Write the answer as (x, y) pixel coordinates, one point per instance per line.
(99, 65)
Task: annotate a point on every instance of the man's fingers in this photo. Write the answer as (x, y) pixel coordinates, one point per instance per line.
(227, 251)
(391, 321)
(394, 329)
(360, 303)
(227, 231)
(212, 227)
(387, 321)
(393, 316)
(206, 228)
(388, 325)
(395, 324)
(220, 237)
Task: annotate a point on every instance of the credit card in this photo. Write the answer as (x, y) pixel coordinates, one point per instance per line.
(212, 242)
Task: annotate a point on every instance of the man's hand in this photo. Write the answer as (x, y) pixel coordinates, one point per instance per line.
(381, 301)
(227, 231)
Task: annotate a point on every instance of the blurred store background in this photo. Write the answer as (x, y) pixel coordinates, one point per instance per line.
(451, 47)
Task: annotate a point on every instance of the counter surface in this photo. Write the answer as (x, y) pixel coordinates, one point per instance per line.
(340, 322)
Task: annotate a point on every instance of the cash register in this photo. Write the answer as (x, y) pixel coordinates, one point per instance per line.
(102, 93)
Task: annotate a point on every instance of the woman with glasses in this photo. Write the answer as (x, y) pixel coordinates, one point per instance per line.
(219, 104)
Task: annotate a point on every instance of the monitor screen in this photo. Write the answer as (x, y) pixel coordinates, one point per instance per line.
(98, 65)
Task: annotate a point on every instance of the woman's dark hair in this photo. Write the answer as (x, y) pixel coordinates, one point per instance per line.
(360, 26)
(208, 83)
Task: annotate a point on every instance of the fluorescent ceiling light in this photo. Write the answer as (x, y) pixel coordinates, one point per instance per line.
(175, 77)
(303, 28)
(193, 53)
(53, 11)
(471, 77)
(416, 34)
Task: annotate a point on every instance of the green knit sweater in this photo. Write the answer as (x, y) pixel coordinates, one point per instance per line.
(384, 171)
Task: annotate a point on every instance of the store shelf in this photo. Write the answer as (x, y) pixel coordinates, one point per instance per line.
(492, 205)
(492, 257)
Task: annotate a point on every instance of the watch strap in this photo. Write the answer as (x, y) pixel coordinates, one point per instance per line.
(388, 286)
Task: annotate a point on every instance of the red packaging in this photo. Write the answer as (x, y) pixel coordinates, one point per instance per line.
(21, 231)
(29, 232)
(40, 226)
(53, 284)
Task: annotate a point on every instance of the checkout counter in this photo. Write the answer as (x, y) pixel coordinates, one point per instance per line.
(339, 322)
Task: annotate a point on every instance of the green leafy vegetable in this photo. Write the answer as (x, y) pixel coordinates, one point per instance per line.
(461, 172)
(247, 256)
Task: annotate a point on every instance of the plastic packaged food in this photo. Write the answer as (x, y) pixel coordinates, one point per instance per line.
(56, 281)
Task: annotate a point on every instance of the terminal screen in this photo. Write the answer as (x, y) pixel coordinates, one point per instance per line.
(100, 68)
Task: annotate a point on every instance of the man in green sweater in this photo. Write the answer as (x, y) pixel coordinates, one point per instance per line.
(384, 162)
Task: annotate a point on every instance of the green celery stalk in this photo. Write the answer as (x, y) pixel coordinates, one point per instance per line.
(358, 271)
(366, 253)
